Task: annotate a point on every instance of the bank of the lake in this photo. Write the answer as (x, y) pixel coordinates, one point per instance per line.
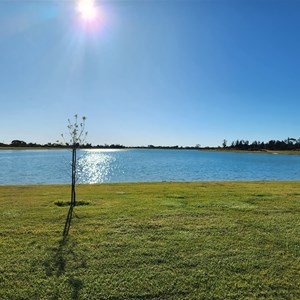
(286, 152)
(213, 240)
(289, 152)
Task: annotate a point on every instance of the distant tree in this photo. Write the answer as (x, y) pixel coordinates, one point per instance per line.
(224, 144)
(74, 138)
(18, 143)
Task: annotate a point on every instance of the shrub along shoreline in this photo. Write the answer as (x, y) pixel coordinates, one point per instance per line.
(194, 240)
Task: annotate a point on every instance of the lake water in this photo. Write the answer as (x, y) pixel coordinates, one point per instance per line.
(103, 166)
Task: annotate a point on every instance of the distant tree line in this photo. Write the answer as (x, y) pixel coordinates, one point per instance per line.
(288, 144)
(19, 143)
(22, 144)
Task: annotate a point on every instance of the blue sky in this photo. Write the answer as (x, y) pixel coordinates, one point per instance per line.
(151, 71)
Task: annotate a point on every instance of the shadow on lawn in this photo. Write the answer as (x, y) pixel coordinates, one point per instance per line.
(68, 222)
(61, 256)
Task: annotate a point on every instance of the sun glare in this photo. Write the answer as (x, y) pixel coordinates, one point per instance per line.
(87, 9)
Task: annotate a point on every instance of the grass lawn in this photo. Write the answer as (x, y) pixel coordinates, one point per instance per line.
(222, 240)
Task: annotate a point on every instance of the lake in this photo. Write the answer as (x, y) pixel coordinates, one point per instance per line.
(137, 165)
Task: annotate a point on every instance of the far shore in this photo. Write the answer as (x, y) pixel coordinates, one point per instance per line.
(264, 151)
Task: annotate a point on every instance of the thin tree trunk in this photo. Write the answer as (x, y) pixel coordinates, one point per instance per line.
(73, 191)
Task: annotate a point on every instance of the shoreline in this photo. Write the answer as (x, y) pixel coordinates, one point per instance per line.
(265, 151)
(221, 182)
(286, 152)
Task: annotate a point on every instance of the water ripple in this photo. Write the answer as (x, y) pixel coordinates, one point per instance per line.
(95, 167)
(101, 166)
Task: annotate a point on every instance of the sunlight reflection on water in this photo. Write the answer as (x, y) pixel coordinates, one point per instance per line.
(95, 166)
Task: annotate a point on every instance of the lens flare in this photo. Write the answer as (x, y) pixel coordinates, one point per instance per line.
(87, 9)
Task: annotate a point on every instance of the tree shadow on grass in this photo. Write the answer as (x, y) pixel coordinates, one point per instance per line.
(68, 222)
(61, 256)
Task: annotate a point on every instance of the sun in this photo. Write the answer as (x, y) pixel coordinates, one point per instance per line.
(87, 9)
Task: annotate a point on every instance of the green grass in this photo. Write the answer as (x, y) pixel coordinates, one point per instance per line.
(226, 240)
